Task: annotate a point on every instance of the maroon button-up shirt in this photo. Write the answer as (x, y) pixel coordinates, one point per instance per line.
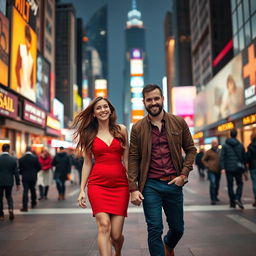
(161, 162)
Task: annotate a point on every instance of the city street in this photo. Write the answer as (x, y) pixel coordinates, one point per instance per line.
(60, 228)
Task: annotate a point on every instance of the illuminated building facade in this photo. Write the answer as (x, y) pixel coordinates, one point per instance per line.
(135, 67)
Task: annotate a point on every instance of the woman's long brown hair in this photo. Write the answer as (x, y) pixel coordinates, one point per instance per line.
(87, 126)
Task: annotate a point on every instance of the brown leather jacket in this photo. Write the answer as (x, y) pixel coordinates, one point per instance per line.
(179, 137)
(211, 160)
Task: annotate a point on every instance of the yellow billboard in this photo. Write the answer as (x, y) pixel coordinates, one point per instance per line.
(23, 58)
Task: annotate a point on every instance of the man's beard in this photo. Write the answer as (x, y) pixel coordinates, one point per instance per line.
(160, 108)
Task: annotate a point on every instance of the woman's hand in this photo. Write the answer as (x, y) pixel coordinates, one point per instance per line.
(81, 199)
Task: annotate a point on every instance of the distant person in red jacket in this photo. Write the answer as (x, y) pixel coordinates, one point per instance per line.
(45, 176)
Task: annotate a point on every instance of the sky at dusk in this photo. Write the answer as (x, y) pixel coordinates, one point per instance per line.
(153, 14)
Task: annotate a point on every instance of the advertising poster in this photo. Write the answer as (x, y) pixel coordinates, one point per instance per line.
(200, 111)
(249, 74)
(3, 6)
(42, 82)
(225, 92)
(4, 49)
(23, 58)
(28, 9)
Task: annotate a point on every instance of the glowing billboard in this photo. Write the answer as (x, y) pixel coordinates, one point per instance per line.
(42, 82)
(136, 67)
(101, 88)
(4, 49)
(23, 58)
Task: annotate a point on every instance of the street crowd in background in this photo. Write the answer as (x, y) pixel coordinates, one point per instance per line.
(34, 171)
(233, 161)
(40, 171)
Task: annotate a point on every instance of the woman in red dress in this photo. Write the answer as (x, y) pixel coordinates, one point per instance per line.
(101, 138)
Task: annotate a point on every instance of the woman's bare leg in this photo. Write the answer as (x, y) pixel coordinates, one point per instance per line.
(117, 238)
(104, 230)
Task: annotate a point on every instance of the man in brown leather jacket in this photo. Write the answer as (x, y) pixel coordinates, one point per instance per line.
(211, 161)
(157, 170)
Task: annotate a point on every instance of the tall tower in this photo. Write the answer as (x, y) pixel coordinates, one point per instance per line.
(134, 73)
(66, 57)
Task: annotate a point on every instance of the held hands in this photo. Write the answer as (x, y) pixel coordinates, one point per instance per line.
(81, 199)
(136, 197)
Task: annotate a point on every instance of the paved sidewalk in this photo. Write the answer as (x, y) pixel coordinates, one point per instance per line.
(60, 228)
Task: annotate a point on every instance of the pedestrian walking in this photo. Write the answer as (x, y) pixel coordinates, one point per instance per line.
(232, 163)
(211, 161)
(78, 163)
(45, 175)
(199, 163)
(102, 138)
(8, 170)
(29, 167)
(251, 160)
(157, 171)
(62, 168)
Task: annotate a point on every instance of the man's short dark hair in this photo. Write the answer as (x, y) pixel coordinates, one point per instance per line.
(233, 133)
(28, 148)
(5, 147)
(61, 148)
(151, 87)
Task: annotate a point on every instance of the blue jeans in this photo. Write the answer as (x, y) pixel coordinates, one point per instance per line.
(253, 177)
(157, 195)
(239, 182)
(214, 179)
(60, 184)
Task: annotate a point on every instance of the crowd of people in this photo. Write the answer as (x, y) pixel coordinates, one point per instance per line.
(233, 161)
(34, 171)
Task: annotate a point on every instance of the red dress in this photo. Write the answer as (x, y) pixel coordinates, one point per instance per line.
(107, 183)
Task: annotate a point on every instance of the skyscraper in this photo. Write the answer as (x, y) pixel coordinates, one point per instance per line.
(66, 57)
(97, 53)
(135, 67)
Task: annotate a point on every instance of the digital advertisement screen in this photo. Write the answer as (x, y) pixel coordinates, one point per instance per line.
(4, 49)
(42, 82)
(23, 58)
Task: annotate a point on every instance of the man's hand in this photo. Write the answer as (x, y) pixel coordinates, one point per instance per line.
(136, 197)
(179, 181)
(18, 187)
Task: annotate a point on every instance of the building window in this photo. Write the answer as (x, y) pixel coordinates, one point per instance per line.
(240, 16)
(253, 6)
(233, 5)
(48, 8)
(48, 27)
(247, 30)
(234, 22)
(253, 26)
(48, 46)
(235, 44)
(246, 10)
(241, 39)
